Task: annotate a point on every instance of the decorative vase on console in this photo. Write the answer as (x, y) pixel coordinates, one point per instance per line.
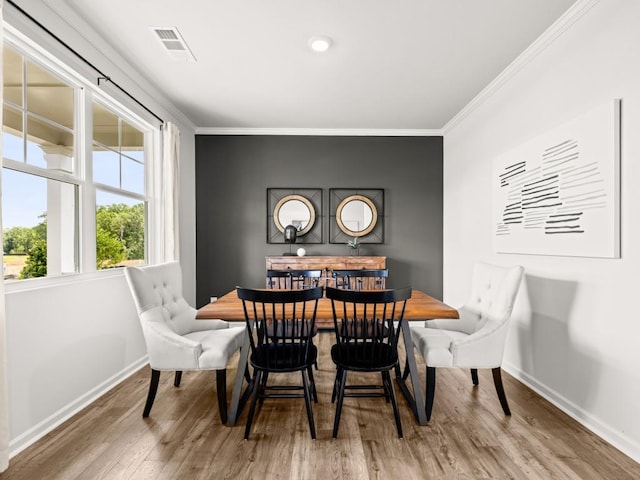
(354, 245)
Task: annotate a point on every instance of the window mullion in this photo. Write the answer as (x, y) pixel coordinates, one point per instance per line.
(122, 193)
(88, 204)
(40, 172)
(153, 187)
(24, 110)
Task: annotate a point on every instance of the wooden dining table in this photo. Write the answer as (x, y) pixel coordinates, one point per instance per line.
(420, 307)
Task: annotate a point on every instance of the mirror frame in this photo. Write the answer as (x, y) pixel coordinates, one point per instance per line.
(307, 203)
(277, 197)
(338, 231)
(374, 215)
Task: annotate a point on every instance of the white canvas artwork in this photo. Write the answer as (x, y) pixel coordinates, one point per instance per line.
(558, 194)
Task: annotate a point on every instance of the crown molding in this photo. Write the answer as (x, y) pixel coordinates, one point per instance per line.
(564, 23)
(336, 132)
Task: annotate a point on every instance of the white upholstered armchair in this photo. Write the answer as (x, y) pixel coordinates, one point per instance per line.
(477, 339)
(175, 340)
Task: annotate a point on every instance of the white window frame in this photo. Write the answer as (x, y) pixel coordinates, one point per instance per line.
(85, 93)
(149, 165)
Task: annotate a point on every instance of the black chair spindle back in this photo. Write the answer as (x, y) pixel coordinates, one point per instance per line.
(367, 326)
(305, 278)
(371, 279)
(278, 279)
(280, 325)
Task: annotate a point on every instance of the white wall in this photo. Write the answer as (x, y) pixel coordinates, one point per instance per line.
(187, 217)
(65, 345)
(579, 344)
(70, 342)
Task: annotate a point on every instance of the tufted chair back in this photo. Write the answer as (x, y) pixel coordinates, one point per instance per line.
(157, 292)
(493, 293)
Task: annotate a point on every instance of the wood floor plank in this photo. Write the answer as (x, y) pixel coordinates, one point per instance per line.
(468, 437)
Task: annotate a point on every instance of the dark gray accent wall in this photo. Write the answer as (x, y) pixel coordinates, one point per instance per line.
(234, 172)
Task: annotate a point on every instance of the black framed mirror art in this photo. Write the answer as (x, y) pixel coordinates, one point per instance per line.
(356, 213)
(301, 207)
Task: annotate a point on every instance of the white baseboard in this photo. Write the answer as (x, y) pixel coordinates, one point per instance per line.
(18, 444)
(626, 445)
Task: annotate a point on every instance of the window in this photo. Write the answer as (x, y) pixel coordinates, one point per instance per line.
(39, 178)
(119, 175)
(64, 210)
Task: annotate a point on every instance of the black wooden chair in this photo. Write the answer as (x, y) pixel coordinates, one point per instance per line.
(372, 279)
(279, 279)
(293, 279)
(367, 325)
(305, 278)
(280, 325)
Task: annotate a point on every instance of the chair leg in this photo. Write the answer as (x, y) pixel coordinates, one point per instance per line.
(247, 375)
(474, 376)
(431, 390)
(336, 421)
(263, 384)
(315, 364)
(497, 380)
(254, 397)
(307, 402)
(406, 372)
(394, 402)
(312, 385)
(153, 388)
(397, 370)
(336, 385)
(221, 388)
(385, 386)
(177, 379)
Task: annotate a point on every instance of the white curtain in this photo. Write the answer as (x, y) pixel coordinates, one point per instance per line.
(169, 197)
(4, 407)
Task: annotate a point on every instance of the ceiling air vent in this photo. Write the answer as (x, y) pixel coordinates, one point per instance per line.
(173, 43)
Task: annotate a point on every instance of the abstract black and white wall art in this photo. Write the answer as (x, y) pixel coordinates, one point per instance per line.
(559, 193)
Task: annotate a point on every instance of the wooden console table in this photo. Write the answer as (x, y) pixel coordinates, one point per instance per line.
(326, 263)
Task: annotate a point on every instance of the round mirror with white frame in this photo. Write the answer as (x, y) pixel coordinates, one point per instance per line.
(294, 210)
(356, 215)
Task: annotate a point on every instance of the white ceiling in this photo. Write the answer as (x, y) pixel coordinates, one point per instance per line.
(394, 65)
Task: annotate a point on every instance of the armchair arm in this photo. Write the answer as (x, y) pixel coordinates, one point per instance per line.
(193, 325)
(169, 351)
(199, 325)
(482, 349)
(466, 322)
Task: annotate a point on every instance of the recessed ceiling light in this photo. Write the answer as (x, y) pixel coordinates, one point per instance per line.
(319, 43)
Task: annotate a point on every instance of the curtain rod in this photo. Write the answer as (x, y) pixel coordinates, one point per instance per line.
(102, 77)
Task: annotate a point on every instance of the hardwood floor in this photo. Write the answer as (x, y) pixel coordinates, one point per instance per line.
(468, 437)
